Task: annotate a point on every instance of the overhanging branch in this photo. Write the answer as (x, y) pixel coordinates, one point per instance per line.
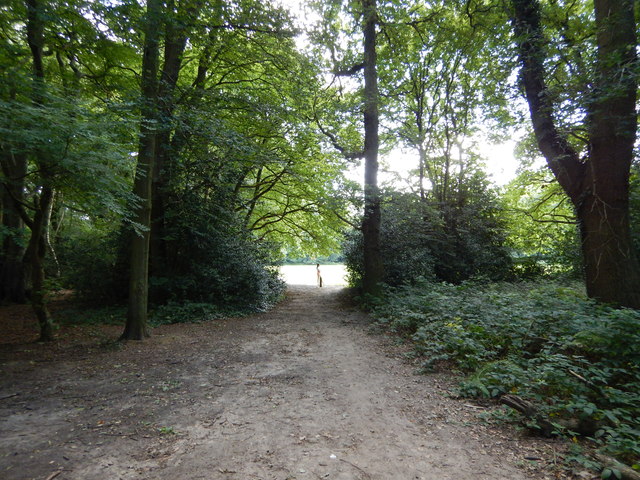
(334, 141)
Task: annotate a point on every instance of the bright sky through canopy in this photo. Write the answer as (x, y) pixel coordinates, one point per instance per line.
(500, 161)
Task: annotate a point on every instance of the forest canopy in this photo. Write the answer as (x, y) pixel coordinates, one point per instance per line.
(174, 152)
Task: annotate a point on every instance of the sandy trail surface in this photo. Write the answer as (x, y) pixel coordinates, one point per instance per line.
(304, 391)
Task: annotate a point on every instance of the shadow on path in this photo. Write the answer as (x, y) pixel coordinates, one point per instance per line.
(301, 392)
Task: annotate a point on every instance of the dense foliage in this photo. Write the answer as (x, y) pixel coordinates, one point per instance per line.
(578, 361)
(542, 232)
(238, 175)
(452, 242)
(213, 260)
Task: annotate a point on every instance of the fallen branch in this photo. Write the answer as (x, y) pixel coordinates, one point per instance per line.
(626, 472)
(54, 475)
(356, 467)
(589, 384)
(529, 411)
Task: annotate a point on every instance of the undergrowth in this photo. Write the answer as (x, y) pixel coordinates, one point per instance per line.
(576, 360)
(191, 313)
(187, 312)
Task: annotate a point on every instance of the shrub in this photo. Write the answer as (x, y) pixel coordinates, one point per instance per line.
(212, 259)
(90, 265)
(420, 240)
(577, 360)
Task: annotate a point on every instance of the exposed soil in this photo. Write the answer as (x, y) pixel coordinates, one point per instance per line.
(305, 391)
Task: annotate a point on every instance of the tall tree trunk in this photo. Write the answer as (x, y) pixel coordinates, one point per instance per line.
(37, 248)
(176, 33)
(599, 187)
(12, 268)
(136, 327)
(611, 267)
(373, 268)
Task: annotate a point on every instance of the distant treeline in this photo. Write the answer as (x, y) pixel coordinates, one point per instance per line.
(334, 258)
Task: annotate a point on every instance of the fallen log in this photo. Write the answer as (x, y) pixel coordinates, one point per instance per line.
(627, 473)
(529, 410)
(546, 428)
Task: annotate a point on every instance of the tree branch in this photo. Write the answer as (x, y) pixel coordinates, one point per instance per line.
(561, 157)
(355, 226)
(350, 71)
(334, 141)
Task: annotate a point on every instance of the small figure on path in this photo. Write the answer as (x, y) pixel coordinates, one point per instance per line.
(318, 275)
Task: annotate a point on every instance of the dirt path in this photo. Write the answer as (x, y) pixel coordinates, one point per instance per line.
(302, 392)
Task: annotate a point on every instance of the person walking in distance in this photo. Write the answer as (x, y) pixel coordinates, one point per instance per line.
(318, 275)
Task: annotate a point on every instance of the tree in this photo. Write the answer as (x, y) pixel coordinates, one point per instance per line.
(136, 325)
(596, 179)
(373, 267)
(39, 224)
(179, 23)
(58, 146)
(348, 139)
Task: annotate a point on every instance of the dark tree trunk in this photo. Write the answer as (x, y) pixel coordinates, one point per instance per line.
(37, 248)
(611, 267)
(35, 39)
(599, 186)
(12, 269)
(136, 327)
(176, 32)
(373, 268)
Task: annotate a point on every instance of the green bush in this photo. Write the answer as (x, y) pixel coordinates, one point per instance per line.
(578, 361)
(423, 240)
(211, 259)
(90, 265)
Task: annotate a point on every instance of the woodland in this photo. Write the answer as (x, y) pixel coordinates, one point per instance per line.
(160, 159)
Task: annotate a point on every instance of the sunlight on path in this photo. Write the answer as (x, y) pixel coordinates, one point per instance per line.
(306, 274)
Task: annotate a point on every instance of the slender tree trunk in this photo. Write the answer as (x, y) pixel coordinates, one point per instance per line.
(37, 251)
(422, 159)
(599, 187)
(373, 268)
(55, 214)
(136, 327)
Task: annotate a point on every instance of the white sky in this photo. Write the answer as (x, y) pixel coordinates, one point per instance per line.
(501, 161)
(501, 165)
